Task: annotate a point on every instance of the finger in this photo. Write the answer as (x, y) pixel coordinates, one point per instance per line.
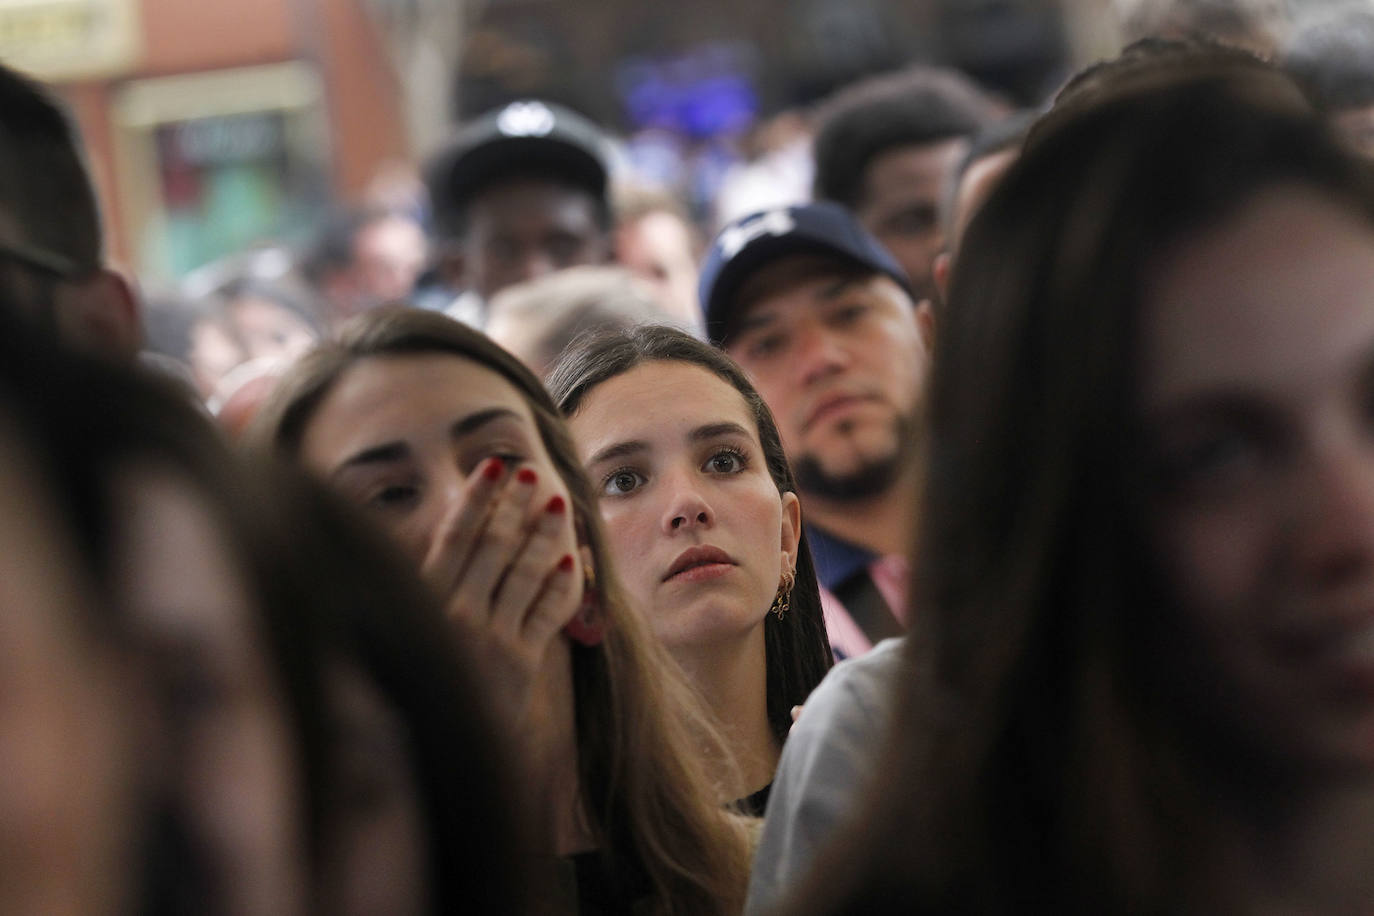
(456, 536)
(536, 559)
(556, 604)
(497, 547)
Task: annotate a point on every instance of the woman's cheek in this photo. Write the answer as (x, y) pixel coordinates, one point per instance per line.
(1216, 558)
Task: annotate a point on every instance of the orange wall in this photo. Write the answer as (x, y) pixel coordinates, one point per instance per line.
(367, 125)
(362, 95)
(187, 35)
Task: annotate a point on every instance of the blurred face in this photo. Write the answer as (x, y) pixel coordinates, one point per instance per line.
(233, 776)
(1356, 125)
(269, 330)
(658, 247)
(526, 229)
(401, 435)
(214, 353)
(65, 800)
(841, 361)
(901, 204)
(700, 533)
(389, 255)
(376, 853)
(1258, 388)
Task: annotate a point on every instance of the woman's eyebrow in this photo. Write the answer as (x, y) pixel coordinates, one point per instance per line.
(475, 421)
(391, 452)
(619, 450)
(714, 430)
(386, 453)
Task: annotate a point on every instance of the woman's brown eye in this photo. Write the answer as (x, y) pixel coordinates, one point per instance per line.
(394, 496)
(621, 482)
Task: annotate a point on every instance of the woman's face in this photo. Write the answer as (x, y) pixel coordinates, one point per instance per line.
(699, 531)
(1258, 390)
(401, 435)
(67, 711)
(232, 779)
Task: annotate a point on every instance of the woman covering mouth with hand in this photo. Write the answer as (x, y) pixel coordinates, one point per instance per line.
(456, 450)
(705, 527)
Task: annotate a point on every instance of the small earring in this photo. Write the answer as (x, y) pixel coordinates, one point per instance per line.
(584, 629)
(782, 601)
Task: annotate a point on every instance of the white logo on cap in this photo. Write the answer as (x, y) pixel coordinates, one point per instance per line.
(525, 119)
(774, 222)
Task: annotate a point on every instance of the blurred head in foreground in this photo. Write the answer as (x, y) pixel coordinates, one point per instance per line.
(1147, 532)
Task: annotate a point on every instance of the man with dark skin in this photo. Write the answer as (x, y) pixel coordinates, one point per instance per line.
(519, 193)
(885, 148)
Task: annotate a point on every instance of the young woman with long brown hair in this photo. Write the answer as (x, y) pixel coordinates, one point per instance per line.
(704, 516)
(1143, 679)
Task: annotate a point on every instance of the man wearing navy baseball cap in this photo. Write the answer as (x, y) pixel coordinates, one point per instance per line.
(518, 193)
(823, 320)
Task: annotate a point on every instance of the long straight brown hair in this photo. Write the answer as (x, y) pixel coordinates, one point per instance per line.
(651, 806)
(1046, 755)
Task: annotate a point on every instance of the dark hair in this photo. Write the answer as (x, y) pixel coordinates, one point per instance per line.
(1235, 22)
(44, 186)
(346, 595)
(645, 796)
(1002, 136)
(1333, 59)
(324, 589)
(797, 649)
(1044, 753)
(912, 107)
(1142, 63)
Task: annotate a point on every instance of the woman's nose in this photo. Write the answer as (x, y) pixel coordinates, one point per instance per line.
(1336, 539)
(687, 506)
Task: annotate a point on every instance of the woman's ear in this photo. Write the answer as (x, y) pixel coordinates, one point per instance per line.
(791, 527)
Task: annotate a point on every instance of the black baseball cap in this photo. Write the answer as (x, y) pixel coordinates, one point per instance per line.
(525, 137)
(760, 238)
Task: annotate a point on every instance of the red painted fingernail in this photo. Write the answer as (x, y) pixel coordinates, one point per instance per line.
(565, 564)
(556, 505)
(525, 475)
(494, 469)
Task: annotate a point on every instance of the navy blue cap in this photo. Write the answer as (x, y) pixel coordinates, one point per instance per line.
(528, 136)
(760, 238)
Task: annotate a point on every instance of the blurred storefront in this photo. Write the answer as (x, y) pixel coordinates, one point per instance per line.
(214, 126)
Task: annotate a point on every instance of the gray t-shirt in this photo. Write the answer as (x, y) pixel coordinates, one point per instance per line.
(829, 756)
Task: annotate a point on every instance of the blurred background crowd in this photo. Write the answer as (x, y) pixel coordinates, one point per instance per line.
(260, 165)
(683, 354)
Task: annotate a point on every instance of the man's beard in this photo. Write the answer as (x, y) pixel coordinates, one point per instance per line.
(873, 478)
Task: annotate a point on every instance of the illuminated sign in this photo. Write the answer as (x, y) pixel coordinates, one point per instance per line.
(68, 39)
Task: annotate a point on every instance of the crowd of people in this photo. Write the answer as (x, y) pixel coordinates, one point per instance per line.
(991, 533)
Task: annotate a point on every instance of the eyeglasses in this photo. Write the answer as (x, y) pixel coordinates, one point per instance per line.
(44, 261)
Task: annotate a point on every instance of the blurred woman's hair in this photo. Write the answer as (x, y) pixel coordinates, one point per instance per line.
(1045, 755)
(350, 597)
(797, 648)
(324, 590)
(537, 319)
(640, 728)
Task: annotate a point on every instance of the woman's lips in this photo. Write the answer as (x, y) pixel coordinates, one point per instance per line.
(696, 563)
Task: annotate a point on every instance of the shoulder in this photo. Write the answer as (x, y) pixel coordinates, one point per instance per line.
(858, 690)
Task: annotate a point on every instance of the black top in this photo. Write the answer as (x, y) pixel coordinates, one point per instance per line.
(756, 804)
(600, 892)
